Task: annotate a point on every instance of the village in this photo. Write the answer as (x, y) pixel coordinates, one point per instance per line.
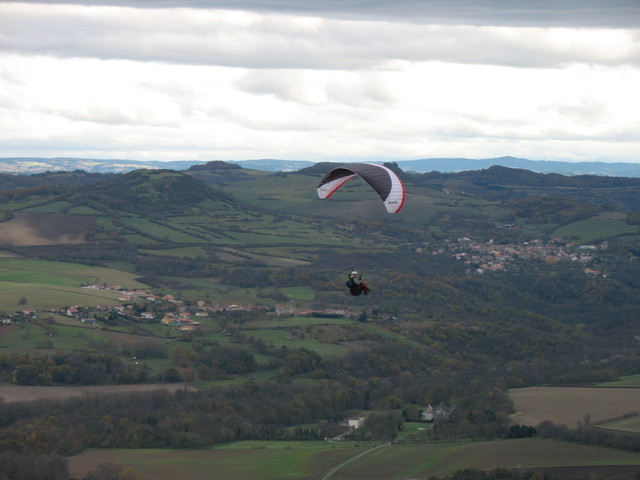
(146, 307)
(483, 257)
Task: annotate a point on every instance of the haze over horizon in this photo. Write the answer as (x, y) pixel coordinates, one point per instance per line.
(320, 81)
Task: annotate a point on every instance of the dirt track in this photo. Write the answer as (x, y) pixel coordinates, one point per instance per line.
(17, 393)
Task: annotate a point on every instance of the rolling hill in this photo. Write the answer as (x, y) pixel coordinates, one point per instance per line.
(487, 280)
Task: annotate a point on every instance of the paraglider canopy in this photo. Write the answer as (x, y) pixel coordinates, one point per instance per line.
(382, 179)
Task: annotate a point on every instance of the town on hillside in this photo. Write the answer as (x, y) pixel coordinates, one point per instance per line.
(490, 256)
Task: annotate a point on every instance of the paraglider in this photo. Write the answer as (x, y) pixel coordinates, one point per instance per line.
(386, 184)
(356, 285)
(382, 179)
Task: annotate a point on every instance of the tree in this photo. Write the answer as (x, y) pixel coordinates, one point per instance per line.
(22, 301)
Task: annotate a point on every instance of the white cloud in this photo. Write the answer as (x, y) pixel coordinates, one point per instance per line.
(200, 84)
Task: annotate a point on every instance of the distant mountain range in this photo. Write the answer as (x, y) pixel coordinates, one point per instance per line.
(28, 165)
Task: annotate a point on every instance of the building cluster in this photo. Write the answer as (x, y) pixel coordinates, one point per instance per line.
(489, 256)
(438, 414)
(168, 310)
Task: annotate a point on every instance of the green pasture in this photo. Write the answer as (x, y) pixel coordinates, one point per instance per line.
(31, 338)
(388, 334)
(625, 381)
(189, 219)
(83, 210)
(137, 239)
(282, 260)
(299, 293)
(260, 376)
(53, 207)
(259, 460)
(184, 252)
(235, 461)
(211, 289)
(298, 253)
(605, 225)
(627, 424)
(47, 284)
(300, 322)
(44, 297)
(22, 203)
(282, 338)
(70, 274)
(160, 231)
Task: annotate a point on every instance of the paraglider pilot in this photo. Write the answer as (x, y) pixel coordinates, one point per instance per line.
(356, 285)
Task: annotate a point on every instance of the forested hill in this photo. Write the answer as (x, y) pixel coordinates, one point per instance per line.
(502, 183)
(497, 175)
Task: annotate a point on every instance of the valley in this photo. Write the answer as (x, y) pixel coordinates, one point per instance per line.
(231, 281)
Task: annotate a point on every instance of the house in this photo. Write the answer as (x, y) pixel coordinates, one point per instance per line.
(90, 320)
(234, 308)
(285, 309)
(355, 422)
(427, 414)
(442, 412)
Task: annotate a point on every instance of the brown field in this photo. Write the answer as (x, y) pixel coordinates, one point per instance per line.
(31, 229)
(18, 393)
(440, 459)
(569, 405)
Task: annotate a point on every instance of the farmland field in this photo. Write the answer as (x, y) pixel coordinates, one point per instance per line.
(626, 381)
(243, 460)
(627, 424)
(601, 226)
(20, 393)
(569, 405)
(422, 461)
(44, 229)
(46, 284)
(251, 460)
(282, 338)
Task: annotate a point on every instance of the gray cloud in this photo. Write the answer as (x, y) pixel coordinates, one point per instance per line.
(274, 41)
(543, 13)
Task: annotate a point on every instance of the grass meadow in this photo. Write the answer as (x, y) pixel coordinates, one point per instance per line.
(282, 338)
(623, 382)
(256, 460)
(46, 284)
(241, 460)
(627, 424)
(601, 226)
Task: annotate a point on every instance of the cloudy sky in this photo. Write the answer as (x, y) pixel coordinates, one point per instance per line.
(321, 80)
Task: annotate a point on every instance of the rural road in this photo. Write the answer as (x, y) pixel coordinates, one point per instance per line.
(330, 473)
